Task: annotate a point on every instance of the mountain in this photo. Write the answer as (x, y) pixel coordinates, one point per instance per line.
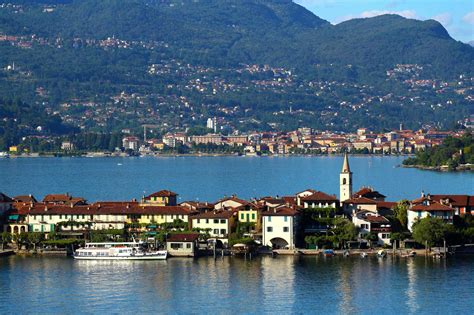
(185, 60)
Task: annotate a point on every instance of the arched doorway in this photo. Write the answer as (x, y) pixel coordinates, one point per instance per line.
(22, 229)
(9, 229)
(278, 243)
(15, 229)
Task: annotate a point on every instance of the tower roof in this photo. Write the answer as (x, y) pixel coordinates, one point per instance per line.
(345, 165)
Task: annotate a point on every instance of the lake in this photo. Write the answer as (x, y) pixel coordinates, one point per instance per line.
(286, 284)
(210, 178)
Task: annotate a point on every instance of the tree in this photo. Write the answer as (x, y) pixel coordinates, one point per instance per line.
(6, 238)
(344, 231)
(34, 238)
(372, 237)
(430, 231)
(401, 213)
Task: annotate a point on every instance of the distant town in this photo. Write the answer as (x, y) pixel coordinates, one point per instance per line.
(212, 141)
(305, 222)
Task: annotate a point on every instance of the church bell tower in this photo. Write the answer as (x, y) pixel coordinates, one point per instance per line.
(345, 181)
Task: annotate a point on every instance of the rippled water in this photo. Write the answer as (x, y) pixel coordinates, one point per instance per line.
(210, 178)
(285, 284)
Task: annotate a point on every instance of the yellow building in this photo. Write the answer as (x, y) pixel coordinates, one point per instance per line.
(160, 198)
(13, 149)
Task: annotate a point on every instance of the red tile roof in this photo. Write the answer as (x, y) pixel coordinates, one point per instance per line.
(361, 200)
(98, 208)
(25, 198)
(182, 237)
(319, 196)
(162, 193)
(222, 214)
(433, 206)
(282, 211)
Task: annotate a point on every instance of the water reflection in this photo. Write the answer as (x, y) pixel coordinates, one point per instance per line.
(411, 294)
(232, 285)
(278, 280)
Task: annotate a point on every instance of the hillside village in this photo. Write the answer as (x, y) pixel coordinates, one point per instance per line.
(307, 219)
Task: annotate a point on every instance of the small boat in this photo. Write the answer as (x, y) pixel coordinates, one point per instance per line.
(118, 251)
(363, 254)
(409, 254)
(381, 253)
(328, 253)
(346, 253)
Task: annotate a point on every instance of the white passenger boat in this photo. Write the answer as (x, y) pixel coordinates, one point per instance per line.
(118, 251)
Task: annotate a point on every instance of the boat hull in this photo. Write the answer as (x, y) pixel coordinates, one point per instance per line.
(147, 257)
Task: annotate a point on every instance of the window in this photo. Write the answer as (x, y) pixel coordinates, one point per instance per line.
(269, 219)
(198, 221)
(223, 231)
(207, 220)
(188, 245)
(50, 217)
(60, 216)
(253, 216)
(83, 216)
(242, 217)
(176, 246)
(269, 229)
(216, 231)
(223, 221)
(344, 181)
(286, 229)
(285, 218)
(216, 220)
(364, 226)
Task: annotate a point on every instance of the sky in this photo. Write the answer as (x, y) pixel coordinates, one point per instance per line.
(457, 16)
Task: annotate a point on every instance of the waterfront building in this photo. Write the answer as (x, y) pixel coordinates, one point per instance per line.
(279, 227)
(209, 138)
(130, 143)
(182, 244)
(369, 222)
(219, 224)
(345, 181)
(426, 207)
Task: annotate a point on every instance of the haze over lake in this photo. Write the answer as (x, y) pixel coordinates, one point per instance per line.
(210, 178)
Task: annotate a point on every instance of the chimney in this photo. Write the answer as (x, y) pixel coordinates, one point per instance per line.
(274, 210)
(422, 194)
(45, 208)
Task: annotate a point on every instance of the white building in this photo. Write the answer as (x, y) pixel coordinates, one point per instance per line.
(368, 222)
(212, 124)
(130, 143)
(279, 227)
(425, 207)
(219, 224)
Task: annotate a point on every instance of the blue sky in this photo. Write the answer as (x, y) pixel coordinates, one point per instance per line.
(457, 16)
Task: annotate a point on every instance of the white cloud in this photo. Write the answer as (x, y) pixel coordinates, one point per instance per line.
(410, 14)
(469, 17)
(444, 18)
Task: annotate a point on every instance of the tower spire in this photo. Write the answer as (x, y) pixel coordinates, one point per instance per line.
(345, 166)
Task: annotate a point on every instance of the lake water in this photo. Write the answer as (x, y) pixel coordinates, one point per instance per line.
(285, 284)
(230, 285)
(210, 178)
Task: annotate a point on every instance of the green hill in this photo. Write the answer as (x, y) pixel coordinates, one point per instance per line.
(61, 47)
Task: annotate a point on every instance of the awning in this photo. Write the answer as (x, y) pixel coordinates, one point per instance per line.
(151, 226)
(13, 217)
(151, 233)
